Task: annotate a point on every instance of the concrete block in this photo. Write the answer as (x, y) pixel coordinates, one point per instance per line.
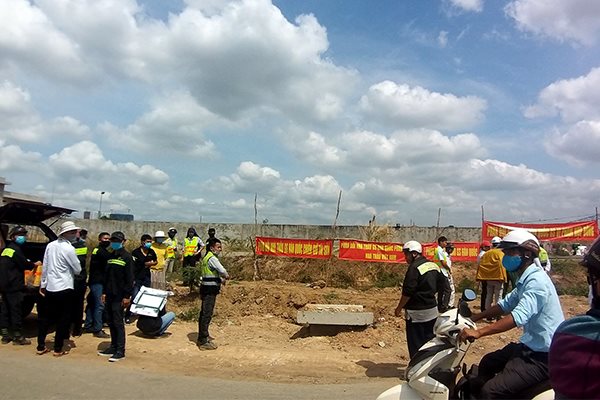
(334, 314)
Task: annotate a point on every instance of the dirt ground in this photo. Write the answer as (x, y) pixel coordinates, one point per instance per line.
(258, 338)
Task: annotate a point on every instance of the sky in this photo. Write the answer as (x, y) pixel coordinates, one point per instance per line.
(189, 110)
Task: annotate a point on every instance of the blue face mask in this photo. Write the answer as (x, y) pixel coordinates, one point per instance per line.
(20, 239)
(147, 245)
(116, 245)
(511, 263)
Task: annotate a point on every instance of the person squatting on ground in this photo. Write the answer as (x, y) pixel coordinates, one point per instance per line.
(422, 281)
(94, 307)
(79, 286)
(172, 250)
(574, 357)
(13, 264)
(157, 271)
(533, 306)
(213, 275)
(491, 273)
(155, 326)
(116, 295)
(57, 286)
(440, 257)
(144, 258)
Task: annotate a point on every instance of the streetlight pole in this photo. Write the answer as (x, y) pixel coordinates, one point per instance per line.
(100, 206)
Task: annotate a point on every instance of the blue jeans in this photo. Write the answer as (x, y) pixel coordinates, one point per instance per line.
(167, 320)
(94, 309)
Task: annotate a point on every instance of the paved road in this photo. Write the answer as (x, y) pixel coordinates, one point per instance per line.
(24, 375)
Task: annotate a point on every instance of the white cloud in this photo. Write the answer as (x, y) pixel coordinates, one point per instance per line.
(86, 160)
(579, 145)
(28, 38)
(573, 99)
(283, 64)
(251, 178)
(467, 5)
(402, 106)
(176, 124)
(573, 20)
(443, 39)
(13, 159)
(22, 123)
(355, 151)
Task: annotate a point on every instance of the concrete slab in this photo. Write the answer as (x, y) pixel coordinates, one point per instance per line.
(334, 314)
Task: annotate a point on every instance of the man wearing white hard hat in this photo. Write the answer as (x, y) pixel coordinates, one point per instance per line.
(519, 369)
(60, 266)
(158, 271)
(422, 281)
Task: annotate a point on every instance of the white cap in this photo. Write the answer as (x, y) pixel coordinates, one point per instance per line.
(159, 234)
(413, 245)
(496, 240)
(68, 226)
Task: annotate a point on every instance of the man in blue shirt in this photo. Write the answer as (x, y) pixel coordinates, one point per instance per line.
(519, 368)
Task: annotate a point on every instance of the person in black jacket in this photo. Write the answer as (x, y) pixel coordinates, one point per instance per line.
(116, 295)
(95, 308)
(422, 281)
(144, 257)
(13, 264)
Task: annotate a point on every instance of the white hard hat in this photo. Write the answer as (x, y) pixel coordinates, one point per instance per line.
(412, 245)
(496, 240)
(159, 234)
(520, 238)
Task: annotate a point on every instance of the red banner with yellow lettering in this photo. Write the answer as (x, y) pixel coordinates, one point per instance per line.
(302, 248)
(358, 250)
(463, 251)
(563, 232)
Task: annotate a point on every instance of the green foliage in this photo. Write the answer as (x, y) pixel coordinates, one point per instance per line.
(342, 279)
(236, 244)
(190, 314)
(191, 276)
(385, 279)
(331, 297)
(465, 283)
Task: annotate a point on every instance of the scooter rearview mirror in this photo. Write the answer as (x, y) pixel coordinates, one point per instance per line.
(469, 295)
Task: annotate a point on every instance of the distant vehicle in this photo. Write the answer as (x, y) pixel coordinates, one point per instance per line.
(32, 216)
(121, 217)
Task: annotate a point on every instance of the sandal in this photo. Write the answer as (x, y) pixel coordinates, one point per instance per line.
(61, 353)
(43, 351)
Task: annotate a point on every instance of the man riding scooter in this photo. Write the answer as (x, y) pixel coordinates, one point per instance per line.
(517, 369)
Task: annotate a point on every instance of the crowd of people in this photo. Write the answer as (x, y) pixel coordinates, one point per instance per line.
(112, 279)
(565, 354)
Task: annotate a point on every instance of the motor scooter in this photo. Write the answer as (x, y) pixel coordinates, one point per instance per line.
(432, 371)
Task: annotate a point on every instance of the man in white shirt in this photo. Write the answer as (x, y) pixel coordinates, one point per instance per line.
(60, 266)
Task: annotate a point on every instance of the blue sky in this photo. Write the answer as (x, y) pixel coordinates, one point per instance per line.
(184, 110)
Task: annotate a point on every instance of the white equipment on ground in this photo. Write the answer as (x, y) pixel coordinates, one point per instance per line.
(149, 301)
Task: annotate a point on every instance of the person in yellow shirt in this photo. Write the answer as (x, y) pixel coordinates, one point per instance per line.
(491, 272)
(157, 271)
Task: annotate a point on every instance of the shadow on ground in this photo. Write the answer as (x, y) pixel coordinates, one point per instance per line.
(382, 370)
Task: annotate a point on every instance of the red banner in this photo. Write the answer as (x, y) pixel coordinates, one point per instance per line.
(463, 251)
(302, 248)
(357, 250)
(562, 232)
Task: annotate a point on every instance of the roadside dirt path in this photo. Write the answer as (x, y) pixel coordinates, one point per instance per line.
(258, 340)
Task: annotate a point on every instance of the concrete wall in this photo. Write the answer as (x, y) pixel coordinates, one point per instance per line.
(134, 230)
